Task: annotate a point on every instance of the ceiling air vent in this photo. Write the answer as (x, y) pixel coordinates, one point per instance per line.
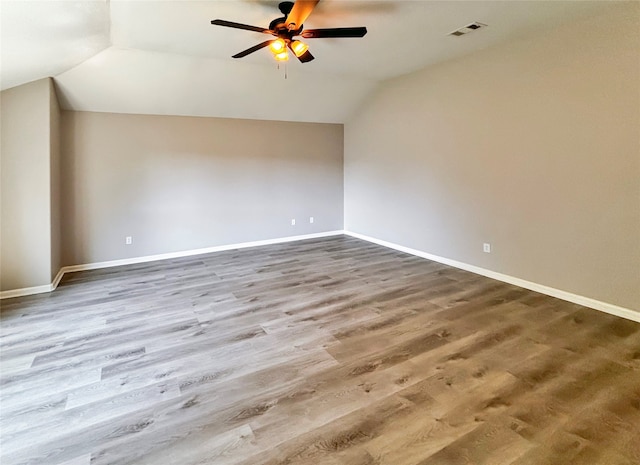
(467, 29)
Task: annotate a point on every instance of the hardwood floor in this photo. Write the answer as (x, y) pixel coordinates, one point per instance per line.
(330, 351)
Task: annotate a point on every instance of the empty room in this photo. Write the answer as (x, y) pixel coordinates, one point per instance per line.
(331, 232)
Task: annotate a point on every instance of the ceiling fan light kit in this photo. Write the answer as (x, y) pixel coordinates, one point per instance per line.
(282, 56)
(298, 47)
(289, 26)
(278, 46)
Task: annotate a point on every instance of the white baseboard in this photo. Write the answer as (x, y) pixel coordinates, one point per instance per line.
(564, 295)
(189, 253)
(560, 294)
(57, 279)
(152, 258)
(27, 291)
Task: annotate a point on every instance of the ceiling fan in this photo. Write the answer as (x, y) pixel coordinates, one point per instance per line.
(285, 28)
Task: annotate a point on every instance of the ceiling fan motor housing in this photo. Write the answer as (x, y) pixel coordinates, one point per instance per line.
(278, 25)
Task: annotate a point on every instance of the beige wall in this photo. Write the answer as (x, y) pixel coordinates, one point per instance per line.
(25, 186)
(532, 146)
(182, 183)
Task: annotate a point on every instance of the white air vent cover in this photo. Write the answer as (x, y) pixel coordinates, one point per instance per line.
(467, 29)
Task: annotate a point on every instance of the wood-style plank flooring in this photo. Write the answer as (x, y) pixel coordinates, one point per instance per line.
(329, 351)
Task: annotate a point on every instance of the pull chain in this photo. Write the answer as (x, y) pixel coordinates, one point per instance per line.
(286, 75)
(285, 70)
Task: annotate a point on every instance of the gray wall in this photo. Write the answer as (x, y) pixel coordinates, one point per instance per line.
(182, 183)
(533, 146)
(25, 213)
(55, 176)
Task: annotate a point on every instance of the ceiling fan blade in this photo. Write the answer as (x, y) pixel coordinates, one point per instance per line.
(306, 57)
(255, 48)
(299, 13)
(222, 22)
(336, 32)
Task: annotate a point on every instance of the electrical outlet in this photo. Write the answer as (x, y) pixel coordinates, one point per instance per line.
(293, 222)
(128, 240)
(486, 247)
(311, 219)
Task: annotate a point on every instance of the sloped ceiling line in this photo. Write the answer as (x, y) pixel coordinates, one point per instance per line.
(164, 57)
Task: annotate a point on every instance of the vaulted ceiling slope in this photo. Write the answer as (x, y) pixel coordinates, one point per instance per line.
(164, 57)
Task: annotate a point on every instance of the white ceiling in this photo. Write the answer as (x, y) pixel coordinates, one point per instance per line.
(164, 57)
